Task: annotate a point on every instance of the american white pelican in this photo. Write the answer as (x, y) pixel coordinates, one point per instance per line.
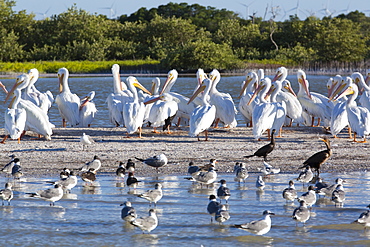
(315, 104)
(36, 120)
(15, 118)
(264, 113)
(185, 109)
(164, 109)
(87, 110)
(42, 100)
(225, 108)
(248, 87)
(201, 75)
(133, 111)
(116, 99)
(156, 82)
(203, 116)
(358, 116)
(68, 103)
(364, 99)
(339, 118)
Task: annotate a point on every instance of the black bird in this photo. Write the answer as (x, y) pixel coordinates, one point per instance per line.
(265, 150)
(131, 180)
(319, 158)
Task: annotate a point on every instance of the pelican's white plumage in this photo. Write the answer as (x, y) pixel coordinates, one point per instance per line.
(358, 116)
(225, 108)
(364, 99)
(68, 103)
(203, 116)
(249, 85)
(133, 111)
(42, 100)
(315, 104)
(87, 110)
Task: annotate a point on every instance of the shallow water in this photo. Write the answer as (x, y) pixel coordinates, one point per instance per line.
(103, 86)
(91, 215)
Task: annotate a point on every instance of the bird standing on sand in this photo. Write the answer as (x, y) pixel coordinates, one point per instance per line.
(17, 169)
(316, 160)
(86, 140)
(155, 161)
(153, 195)
(266, 149)
(6, 194)
(213, 206)
(9, 166)
(258, 227)
(128, 213)
(148, 223)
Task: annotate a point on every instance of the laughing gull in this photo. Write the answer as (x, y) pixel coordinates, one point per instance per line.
(328, 191)
(64, 173)
(319, 186)
(128, 212)
(130, 166)
(301, 213)
(153, 195)
(89, 176)
(121, 170)
(364, 218)
(268, 169)
(213, 206)
(17, 169)
(8, 167)
(192, 168)
(205, 177)
(338, 195)
(241, 172)
(67, 183)
(155, 161)
(260, 184)
(223, 192)
(305, 176)
(50, 195)
(258, 227)
(309, 197)
(148, 223)
(6, 194)
(95, 164)
(290, 193)
(222, 214)
(131, 181)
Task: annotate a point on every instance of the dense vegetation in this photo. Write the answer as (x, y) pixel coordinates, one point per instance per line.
(185, 37)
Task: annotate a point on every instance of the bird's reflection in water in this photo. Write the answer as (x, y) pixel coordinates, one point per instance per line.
(144, 239)
(6, 209)
(199, 189)
(259, 194)
(120, 184)
(91, 189)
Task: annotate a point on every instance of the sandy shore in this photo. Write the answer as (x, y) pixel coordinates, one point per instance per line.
(42, 158)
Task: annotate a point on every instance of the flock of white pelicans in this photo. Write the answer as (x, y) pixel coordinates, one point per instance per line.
(264, 103)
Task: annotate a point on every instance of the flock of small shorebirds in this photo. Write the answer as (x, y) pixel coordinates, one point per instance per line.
(203, 175)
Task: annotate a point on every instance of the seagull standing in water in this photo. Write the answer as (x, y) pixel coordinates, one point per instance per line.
(222, 214)
(131, 181)
(260, 184)
(120, 172)
(290, 193)
(301, 213)
(258, 227)
(364, 218)
(128, 213)
(241, 173)
(153, 195)
(67, 183)
(51, 195)
(213, 206)
(309, 197)
(223, 192)
(148, 223)
(6, 194)
(95, 164)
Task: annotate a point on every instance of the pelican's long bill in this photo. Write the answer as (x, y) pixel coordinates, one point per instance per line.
(18, 82)
(258, 89)
(247, 81)
(138, 85)
(199, 90)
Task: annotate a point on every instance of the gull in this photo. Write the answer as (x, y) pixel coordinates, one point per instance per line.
(338, 195)
(222, 214)
(301, 213)
(67, 183)
(120, 172)
(130, 166)
(320, 185)
(17, 169)
(289, 194)
(258, 227)
(213, 206)
(205, 177)
(309, 197)
(260, 184)
(223, 192)
(64, 173)
(51, 195)
(364, 218)
(241, 173)
(8, 167)
(128, 212)
(153, 195)
(131, 180)
(89, 176)
(155, 161)
(268, 169)
(95, 164)
(192, 168)
(305, 176)
(148, 223)
(328, 191)
(86, 140)
(6, 194)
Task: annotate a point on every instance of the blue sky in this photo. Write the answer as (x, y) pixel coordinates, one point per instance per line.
(284, 8)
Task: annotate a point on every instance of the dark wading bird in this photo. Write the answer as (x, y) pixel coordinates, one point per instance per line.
(319, 158)
(265, 150)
